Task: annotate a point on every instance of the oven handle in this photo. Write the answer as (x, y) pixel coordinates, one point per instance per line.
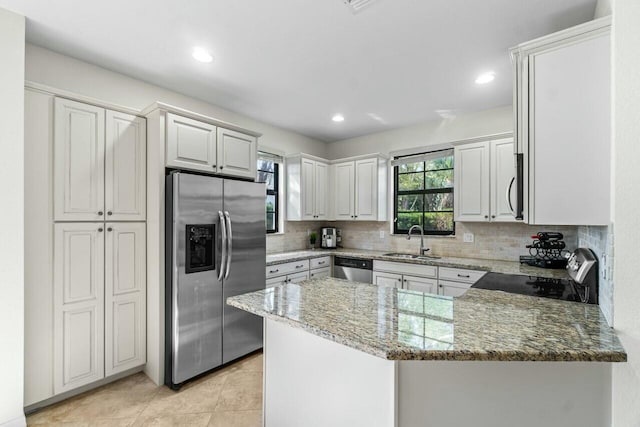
(229, 244)
(509, 196)
(223, 258)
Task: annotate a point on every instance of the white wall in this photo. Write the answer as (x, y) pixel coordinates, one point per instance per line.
(11, 217)
(488, 122)
(626, 131)
(63, 72)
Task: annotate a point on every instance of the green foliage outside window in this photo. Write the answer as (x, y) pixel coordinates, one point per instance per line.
(424, 196)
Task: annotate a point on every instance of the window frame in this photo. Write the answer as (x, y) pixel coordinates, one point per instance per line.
(423, 192)
(276, 193)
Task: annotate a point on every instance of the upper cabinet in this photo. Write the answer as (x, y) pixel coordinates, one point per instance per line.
(307, 188)
(99, 164)
(562, 105)
(191, 144)
(484, 178)
(200, 143)
(361, 190)
(236, 154)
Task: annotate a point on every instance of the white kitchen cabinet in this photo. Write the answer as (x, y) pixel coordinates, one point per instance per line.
(391, 280)
(125, 296)
(361, 189)
(562, 104)
(125, 167)
(78, 305)
(298, 277)
(191, 144)
(452, 289)
(79, 144)
(484, 176)
(307, 188)
(345, 178)
(320, 273)
(236, 153)
(421, 284)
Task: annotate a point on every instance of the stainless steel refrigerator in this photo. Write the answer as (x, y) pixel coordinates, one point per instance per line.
(215, 248)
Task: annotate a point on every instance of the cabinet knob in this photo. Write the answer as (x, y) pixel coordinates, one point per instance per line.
(221, 167)
(493, 216)
(100, 230)
(213, 166)
(100, 213)
(486, 216)
(109, 229)
(109, 213)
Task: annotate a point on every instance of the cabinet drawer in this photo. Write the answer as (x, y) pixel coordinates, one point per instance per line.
(460, 275)
(320, 272)
(297, 278)
(287, 268)
(406, 268)
(276, 281)
(325, 261)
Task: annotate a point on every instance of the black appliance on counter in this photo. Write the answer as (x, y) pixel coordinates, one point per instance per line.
(582, 286)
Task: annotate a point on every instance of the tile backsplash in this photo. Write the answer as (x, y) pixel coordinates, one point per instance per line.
(502, 241)
(295, 236)
(600, 240)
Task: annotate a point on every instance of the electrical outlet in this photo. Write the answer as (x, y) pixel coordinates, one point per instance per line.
(468, 237)
(382, 234)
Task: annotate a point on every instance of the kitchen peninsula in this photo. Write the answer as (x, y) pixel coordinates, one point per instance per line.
(341, 353)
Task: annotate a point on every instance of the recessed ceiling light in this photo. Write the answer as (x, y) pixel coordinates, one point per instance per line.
(200, 54)
(338, 118)
(485, 78)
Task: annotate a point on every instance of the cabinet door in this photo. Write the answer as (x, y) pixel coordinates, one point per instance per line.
(570, 134)
(307, 182)
(503, 189)
(78, 305)
(451, 289)
(298, 277)
(276, 281)
(320, 187)
(472, 182)
(344, 192)
(320, 273)
(421, 284)
(78, 161)
(125, 297)
(125, 167)
(190, 144)
(236, 154)
(390, 280)
(366, 208)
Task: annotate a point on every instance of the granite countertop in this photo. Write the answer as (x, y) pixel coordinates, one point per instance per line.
(495, 266)
(399, 324)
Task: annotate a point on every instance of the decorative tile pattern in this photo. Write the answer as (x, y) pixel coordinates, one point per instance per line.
(399, 324)
(600, 241)
(231, 396)
(495, 266)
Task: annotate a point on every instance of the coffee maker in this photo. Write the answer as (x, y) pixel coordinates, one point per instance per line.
(329, 237)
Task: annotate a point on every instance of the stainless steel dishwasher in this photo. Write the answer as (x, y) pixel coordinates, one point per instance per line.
(354, 269)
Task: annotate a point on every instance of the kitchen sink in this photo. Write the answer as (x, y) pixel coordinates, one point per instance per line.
(410, 256)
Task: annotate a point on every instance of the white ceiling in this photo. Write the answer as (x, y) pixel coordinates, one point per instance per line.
(294, 63)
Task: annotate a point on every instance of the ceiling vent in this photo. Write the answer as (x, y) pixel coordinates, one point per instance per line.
(357, 5)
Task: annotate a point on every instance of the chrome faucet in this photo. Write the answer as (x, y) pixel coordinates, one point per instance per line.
(423, 250)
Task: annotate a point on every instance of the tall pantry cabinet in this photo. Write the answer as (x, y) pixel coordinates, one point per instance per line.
(85, 285)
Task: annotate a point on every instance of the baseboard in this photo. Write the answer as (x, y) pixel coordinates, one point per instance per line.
(66, 395)
(16, 422)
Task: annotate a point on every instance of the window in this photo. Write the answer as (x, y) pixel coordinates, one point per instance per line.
(424, 193)
(268, 172)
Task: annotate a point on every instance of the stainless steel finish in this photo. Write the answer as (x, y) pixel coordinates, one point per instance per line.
(410, 256)
(509, 196)
(422, 248)
(229, 244)
(329, 237)
(196, 329)
(223, 258)
(244, 201)
(353, 274)
(580, 263)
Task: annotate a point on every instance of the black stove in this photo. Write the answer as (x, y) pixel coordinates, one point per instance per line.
(562, 289)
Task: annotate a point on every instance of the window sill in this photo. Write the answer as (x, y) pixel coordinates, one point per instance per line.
(279, 233)
(426, 236)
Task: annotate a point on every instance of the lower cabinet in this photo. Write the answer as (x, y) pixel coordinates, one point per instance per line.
(444, 281)
(290, 278)
(320, 273)
(99, 301)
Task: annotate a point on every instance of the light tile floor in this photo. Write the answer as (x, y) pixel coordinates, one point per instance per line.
(230, 397)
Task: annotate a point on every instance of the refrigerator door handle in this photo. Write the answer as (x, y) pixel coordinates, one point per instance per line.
(229, 244)
(174, 271)
(223, 258)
